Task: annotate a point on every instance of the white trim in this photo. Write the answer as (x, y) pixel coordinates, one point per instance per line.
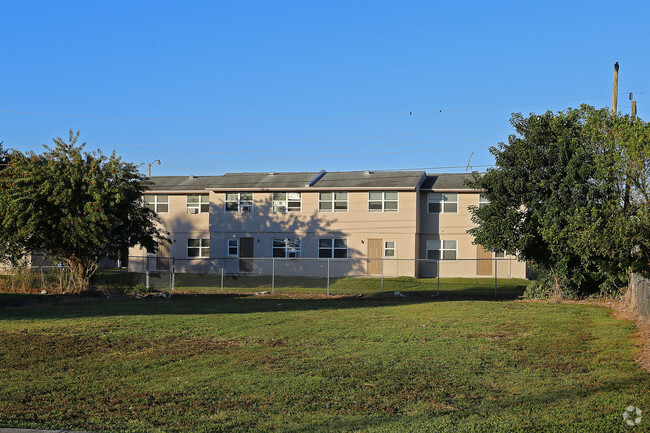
(332, 248)
(333, 202)
(286, 201)
(383, 201)
(190, 208)
(441, 250)
(442, 201)
(156, 203)
(236, 240)
(241, 204)
(394, 248)
(201, 248)
(287, 250)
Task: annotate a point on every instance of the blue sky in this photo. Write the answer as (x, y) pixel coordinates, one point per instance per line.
(216, 87)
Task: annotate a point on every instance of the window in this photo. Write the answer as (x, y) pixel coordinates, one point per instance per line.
(389, 249)
(286, 202)
(198, 203)
(438, 202)
(286, 247)
(333, 248)
(198, 248)
(233, 247)
(382, 201)
(333, 202)
(441, 250)
(499, 254)
(239, 201)
(482, 201)
(157, 203)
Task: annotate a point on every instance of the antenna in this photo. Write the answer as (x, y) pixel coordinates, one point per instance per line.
(469, 160)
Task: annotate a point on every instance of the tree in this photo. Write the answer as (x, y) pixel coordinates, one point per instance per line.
(549, 175)
(74, 206)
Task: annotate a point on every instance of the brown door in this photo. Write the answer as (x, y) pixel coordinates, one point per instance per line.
(245, 251)
(162, 257)
(484, 263)
(374, 252)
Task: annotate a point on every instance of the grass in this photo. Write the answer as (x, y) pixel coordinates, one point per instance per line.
(507, 288)
(223, 363)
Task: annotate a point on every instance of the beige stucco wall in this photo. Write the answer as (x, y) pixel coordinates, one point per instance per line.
(454, 226)
(409, 228)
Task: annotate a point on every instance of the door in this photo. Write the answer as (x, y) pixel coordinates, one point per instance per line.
(246, 251)
(484, 263)
(374, 256)
(162, 257)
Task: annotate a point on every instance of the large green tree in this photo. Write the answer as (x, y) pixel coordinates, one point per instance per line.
(553, 186)
(74, 206)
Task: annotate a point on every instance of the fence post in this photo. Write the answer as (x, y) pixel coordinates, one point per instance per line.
(495, 276)
(438, 274)
(222, 268)
(146, 277)
(328, 276)
(272, 274)
(173, 276)
(382, 275)
(42, 279)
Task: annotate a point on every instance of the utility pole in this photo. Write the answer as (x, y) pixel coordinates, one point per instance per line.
(633, 102)
(149, 166)
(615, 91)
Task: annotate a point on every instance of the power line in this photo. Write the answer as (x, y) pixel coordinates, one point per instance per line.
(273, 119)
(281, 140)
(415, 143)
(323, 156)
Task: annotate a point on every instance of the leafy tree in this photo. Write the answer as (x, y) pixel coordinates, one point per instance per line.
(620, 228)
(75, 206)
(547, 175)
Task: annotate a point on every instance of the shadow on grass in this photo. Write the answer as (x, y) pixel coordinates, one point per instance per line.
(24, 306)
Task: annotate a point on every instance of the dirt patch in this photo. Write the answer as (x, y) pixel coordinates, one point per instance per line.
(623, 311)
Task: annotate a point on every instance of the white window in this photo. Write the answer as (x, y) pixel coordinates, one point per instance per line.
(441, 250)
(438, 202)
(233, 247)
(482, 201)
(382, 201)
(286, 247)
(198, 203)
(499, 254)
(157, 203)
(333, 202)
(198, 248)
(239, 201)
(287, 202)
(333, 248)
(389, 249)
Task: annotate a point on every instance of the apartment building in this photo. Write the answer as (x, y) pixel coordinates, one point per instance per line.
(395, 223)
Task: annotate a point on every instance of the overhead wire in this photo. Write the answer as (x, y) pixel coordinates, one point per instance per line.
(267, 119)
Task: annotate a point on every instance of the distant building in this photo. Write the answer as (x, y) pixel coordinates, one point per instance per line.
(410, 219)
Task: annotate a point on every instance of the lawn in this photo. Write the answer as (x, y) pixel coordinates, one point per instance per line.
(506, 288)
(223, 363)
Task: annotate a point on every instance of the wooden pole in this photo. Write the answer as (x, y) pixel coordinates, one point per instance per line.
(615, 91)
(633, 110)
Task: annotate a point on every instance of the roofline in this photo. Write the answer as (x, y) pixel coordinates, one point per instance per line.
(177, 191)
(318, 188)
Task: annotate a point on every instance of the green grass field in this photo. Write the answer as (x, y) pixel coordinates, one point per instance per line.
(506, 288)
(216, 363)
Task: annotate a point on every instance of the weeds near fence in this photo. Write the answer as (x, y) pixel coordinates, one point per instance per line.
(26, 279)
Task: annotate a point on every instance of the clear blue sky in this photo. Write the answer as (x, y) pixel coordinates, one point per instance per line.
(215, 87)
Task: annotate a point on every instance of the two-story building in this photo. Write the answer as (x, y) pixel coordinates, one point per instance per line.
(395, 223)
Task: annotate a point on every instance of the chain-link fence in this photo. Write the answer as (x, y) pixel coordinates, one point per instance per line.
(639, 294)
(501, 277)
(35, 279)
